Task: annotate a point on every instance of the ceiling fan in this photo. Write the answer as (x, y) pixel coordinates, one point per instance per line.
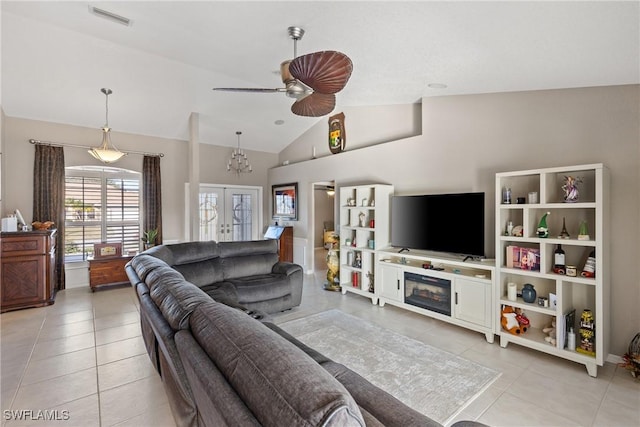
(312, 79)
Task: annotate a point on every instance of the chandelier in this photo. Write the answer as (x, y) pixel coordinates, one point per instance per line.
(106, 152)
(238, 163)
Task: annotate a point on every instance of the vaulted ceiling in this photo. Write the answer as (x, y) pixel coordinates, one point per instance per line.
(57, 55)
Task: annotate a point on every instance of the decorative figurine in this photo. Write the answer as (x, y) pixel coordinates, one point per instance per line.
(587, 334)
(564, 234)
(543, 230)
(583, 232)
(361, 217)
(333, 269)
(370, 277)
(570, 188)
(357, 262)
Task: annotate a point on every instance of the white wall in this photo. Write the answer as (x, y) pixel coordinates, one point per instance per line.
(466, 140)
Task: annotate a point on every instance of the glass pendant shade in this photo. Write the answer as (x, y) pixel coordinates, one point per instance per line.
(106, 152)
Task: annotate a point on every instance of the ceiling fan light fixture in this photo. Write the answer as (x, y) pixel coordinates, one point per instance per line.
(106, 152)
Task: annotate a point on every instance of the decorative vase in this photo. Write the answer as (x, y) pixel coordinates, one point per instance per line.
(528, 293)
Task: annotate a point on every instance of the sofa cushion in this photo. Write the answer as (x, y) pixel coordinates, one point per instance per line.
(261, 287)
(143, 264)
(203, 272)
(218, 404)
(176, 299)
(278, 382)
(248, 265)
(251, 247)
(185, 253)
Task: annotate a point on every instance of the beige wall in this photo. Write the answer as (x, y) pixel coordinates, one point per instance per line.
(466, 140)
(18, 155)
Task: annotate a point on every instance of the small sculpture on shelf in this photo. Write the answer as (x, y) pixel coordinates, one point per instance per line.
(550, 331)
(570, 188)
(543, 230)
(564, 234)
(357, 261)
(370, 277)
(587, 334)
(361, 217)
(583, 231)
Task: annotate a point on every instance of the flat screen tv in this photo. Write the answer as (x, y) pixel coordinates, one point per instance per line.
(452, 223)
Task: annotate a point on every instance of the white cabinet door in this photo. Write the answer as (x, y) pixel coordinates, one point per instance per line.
(390, 280)
(473, 301)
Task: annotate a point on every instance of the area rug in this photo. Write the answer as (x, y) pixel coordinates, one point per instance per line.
(434, 382)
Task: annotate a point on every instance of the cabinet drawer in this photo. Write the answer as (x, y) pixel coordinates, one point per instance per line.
(26, 245)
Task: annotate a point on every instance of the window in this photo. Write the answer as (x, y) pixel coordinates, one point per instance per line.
(102, 204)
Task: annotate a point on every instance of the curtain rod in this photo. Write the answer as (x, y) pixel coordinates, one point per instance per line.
(61, 144)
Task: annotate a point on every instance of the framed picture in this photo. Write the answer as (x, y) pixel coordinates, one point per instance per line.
(107, 250)
(285, 201)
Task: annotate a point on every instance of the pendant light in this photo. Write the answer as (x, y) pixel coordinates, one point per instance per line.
(239, 163)
(106, 152)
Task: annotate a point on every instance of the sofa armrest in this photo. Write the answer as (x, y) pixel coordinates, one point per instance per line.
(287, 268)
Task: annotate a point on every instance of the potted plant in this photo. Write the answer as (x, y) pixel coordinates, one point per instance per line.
(149, 238)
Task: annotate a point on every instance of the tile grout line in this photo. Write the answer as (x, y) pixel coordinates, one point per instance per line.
(95, 352)
(33, 347)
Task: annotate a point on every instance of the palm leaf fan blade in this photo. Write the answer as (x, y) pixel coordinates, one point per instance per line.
(325, 72)
(314, 105)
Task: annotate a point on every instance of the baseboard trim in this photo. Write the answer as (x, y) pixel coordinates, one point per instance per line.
(614, 358)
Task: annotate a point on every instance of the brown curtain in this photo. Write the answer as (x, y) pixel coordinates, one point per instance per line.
(48, 198)
(152, 196)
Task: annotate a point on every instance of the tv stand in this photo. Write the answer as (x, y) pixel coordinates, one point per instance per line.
(472, 287)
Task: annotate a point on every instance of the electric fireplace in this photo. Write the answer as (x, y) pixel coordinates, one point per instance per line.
(430, 293)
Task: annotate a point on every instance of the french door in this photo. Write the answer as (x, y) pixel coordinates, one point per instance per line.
(228, 214)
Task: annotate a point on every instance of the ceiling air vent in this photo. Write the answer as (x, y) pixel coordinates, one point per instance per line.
(110, 16)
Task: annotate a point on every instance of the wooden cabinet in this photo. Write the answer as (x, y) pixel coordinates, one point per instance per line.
(107, 272)
(286, 244)
(27, 266)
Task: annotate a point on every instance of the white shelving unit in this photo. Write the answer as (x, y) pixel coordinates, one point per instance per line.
(364, 228)
(471, 287)
(572, 293)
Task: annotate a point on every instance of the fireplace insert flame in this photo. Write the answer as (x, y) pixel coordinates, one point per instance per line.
(430, 293)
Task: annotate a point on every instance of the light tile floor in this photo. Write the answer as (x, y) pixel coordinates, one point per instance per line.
(83, 358)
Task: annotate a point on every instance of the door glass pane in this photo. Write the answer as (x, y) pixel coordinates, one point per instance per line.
(242, 216)
(209, 217)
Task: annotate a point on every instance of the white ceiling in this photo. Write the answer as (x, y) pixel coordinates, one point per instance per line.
(56, 56)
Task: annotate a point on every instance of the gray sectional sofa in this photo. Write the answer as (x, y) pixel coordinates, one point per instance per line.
(246, 273)
(224, 364)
